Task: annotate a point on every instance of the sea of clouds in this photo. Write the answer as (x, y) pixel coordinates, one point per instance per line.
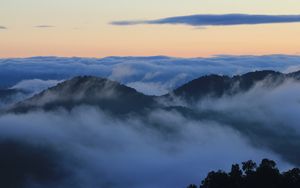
(87, 147)
(154, 75)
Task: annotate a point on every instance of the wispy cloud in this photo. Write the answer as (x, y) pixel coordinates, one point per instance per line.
(216, 20)
(2, 27)
(44, 26)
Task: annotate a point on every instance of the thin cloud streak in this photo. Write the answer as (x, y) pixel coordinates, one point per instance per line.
(44, 26)
(216, 20)
(2, 27)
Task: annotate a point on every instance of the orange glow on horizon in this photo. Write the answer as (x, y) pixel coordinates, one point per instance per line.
(178, 41)
(81, 28)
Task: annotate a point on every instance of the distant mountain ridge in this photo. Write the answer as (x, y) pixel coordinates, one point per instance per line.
(117, 98)
(217, 86)
(88, 90)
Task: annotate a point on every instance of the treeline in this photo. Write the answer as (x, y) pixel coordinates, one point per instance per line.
(249, 175)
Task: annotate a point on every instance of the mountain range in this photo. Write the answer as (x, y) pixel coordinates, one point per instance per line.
(122, 103)
(119, 99)
(217, 86)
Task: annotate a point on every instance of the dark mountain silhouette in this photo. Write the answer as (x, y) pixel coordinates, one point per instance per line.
(295, 75)
(216, 85)
(118, 98)
(88, 90)
(21, 160)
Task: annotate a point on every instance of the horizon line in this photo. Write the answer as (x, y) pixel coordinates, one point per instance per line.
(143, 56)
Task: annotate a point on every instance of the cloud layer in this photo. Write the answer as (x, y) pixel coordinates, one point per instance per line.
(35, 85)
(24, 90)
(2, 27)
(88, 148)
(217, 20)
(269, 116)
(151, 75)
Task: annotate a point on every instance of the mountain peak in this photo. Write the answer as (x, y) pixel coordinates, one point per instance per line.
(213, 84)
(88, 90)
(216, 85)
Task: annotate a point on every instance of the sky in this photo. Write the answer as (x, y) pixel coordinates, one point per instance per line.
(83, 28)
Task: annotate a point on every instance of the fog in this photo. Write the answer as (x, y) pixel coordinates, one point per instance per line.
(35, 85)
(89, 148)
(24, 90)
(268, 115)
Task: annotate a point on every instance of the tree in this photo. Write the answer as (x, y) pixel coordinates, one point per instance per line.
(216, 180)
(291, 178)
(235, 176)
(192, 186)
(266, 175)
(249, 167)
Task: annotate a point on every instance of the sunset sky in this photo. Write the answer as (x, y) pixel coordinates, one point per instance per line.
(83, 28)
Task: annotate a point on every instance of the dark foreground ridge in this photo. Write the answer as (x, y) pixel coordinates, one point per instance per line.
(266, 175)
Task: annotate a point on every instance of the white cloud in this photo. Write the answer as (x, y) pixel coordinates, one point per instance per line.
(163, 149)
(159, 70)
(121, 72)
(150, 88)
(35, 85)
